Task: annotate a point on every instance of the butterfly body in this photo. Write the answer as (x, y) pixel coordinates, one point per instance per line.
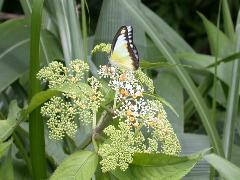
(124, 54)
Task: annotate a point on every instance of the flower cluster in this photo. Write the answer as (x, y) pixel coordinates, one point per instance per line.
(102, 47)
(56, 74)
(77, 102)
(134, 112)
(119, 150)
(142, 122)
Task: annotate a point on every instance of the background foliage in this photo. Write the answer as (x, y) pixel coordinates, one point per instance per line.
(205, 95)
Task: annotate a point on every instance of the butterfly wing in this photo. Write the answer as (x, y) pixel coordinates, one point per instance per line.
(124, 53)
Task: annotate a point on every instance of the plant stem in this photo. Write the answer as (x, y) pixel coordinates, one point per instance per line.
(115, 101)
(36, 128)
(138, 129)
(94, 124)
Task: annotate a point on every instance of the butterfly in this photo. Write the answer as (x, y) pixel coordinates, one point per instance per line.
(124, 53)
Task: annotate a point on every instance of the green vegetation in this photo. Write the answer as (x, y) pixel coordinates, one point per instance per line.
(65, 111)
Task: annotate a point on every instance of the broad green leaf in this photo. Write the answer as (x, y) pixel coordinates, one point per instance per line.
(173, 96)
(43, 96)
(161, 166)
(14, 43)
(54, 149)
(7, 126)
(228, 170)
(99, 175)
(49, 46)
(14, 49)
(83, 135)
(80, 165)
(192, 143)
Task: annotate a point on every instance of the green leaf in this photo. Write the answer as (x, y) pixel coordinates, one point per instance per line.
(202, 61)
(183, 76)
(40, 98)
(161, 166)
(233, 100)
(6, 168)
(14, 43)
(174, 96)
(162, 100)
(7, 126)
(65, 15)
(54, 149)
(36, 126)
(223, 46)
(167, 33)
(227, 20)
(80, 165)
(192, 143)
(4, 146)
(203, 88)
(224, 167)
(148, 65)
(226, 59)
(43, 96)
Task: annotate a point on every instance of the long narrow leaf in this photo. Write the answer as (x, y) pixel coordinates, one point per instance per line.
(227, 20)
(224, 46)
(36, 127)
(232, 107)
(228, 170)
(68, 27)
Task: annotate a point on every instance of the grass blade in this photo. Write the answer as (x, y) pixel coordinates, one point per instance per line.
(68, 28)
(230, 58)
(203, 89)
(232, 106)
(227, 20)
(84, 29)
(75, 32)
(181, 73)
(228, 170)
(225, 46)
(36, 127)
